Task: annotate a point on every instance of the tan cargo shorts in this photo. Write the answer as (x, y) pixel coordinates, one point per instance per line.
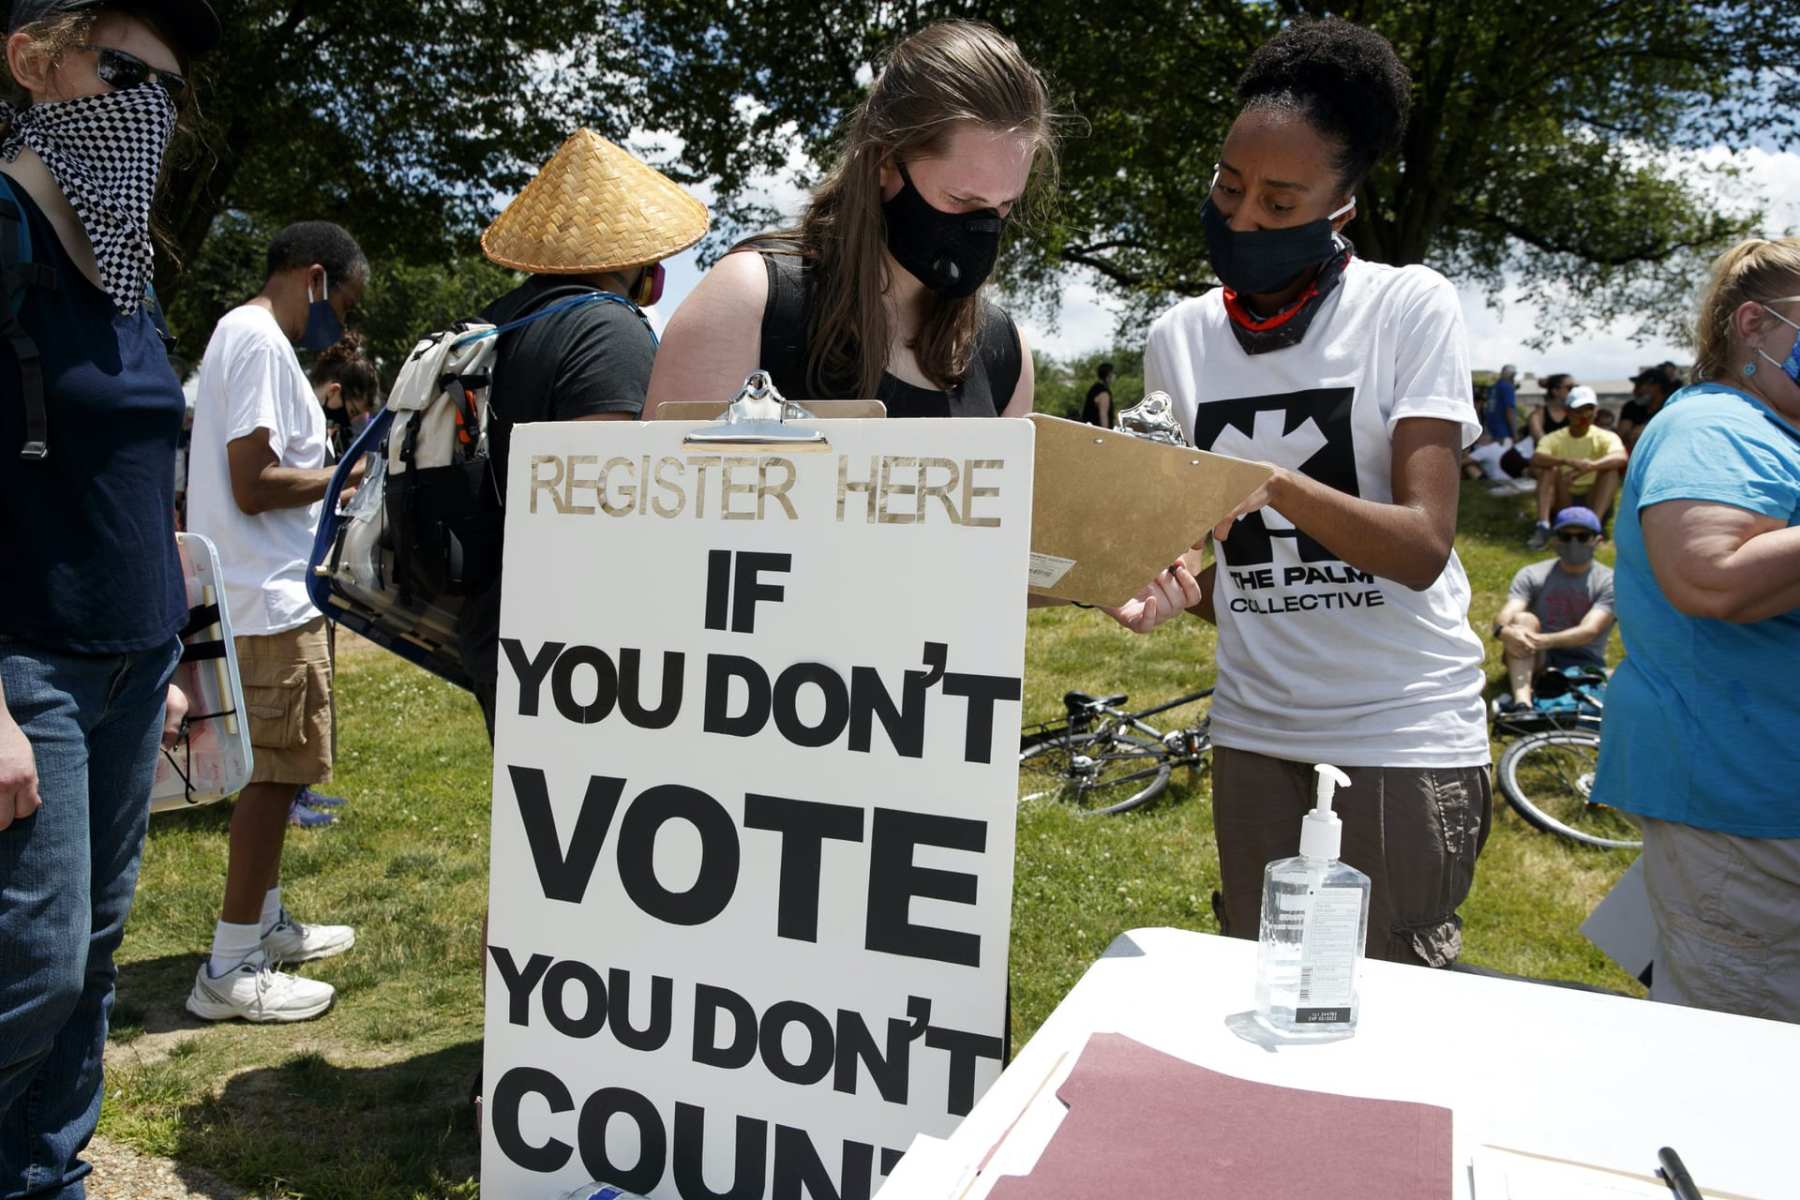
(287, 693)
(1727, 915)
(1414, 831)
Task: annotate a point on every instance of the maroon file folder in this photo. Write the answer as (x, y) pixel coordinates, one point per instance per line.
(1147, 1126)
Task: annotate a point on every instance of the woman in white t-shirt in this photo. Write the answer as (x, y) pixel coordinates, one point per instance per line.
(1341, 606)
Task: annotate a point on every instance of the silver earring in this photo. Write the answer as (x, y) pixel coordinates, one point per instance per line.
(1750, 368)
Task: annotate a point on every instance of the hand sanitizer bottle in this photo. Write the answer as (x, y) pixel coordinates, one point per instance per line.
(1315, 920)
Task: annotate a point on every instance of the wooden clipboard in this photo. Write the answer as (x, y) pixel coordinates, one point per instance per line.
(1110, 510)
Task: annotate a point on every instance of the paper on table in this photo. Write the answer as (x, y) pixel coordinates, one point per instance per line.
(1622, 925)
(1502, 1174)
(930, 1170)
(1152, 1127)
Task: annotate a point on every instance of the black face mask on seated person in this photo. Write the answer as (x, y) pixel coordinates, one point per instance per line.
(1263, 261)
(950, 253)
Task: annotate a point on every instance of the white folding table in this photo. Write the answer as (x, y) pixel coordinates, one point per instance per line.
(1556, 1071)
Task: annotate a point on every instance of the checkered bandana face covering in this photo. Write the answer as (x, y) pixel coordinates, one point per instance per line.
(106, 152)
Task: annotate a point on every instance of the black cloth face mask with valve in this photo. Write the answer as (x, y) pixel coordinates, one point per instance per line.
(950, 253)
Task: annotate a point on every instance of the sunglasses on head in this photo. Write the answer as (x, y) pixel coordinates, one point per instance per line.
(1576, 535)
(119, 70)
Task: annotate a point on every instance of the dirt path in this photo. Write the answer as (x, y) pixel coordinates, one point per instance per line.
(121, 1173)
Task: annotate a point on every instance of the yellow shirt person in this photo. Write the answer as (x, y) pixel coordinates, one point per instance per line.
(1596, 444)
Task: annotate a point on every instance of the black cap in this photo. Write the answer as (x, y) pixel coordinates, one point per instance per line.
(1647, 375)
(192, 23)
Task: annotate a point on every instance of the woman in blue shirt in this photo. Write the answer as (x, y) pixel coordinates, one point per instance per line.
(1702, 734)
(94, 601)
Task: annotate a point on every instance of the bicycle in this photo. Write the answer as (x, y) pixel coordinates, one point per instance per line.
(1547, 774)
(1106, 760)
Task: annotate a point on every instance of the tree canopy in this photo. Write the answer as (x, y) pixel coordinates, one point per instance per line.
(403, 120)
(1062, 387)
(1552, 141)
(1547, 144)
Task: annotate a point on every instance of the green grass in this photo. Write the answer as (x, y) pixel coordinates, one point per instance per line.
(369, 1102)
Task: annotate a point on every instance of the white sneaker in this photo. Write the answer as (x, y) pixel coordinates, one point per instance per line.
(292, 941)
(255, 992)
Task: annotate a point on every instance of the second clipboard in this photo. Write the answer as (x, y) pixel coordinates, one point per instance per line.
(1110, 510)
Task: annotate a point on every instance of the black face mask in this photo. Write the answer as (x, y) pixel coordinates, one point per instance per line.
(1264, 261)
(950, 253)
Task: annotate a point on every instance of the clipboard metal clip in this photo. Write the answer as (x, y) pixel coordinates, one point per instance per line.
(760, 416)
(1153, 419)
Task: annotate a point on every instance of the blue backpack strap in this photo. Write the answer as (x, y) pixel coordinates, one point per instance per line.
(563, 306)
(19, 272)
(612, 298)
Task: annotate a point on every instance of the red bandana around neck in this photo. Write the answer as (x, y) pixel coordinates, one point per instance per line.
(1259, 335)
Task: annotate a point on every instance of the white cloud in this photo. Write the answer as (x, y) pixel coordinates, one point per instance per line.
(1086, 322)
(1768, 180)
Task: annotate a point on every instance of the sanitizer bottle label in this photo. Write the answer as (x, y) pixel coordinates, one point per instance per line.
(1328, 957)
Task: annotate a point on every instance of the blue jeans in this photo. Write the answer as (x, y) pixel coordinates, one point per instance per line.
(67, 873)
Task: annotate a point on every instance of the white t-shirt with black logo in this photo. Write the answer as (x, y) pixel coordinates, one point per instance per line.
(1318, 661)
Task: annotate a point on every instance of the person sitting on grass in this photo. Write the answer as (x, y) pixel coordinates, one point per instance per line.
(1553, 413)
(1558, 612)
(1582, 464)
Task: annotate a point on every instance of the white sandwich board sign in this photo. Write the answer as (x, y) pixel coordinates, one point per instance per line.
(753, 807)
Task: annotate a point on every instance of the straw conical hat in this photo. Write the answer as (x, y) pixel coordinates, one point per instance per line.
(594, 208)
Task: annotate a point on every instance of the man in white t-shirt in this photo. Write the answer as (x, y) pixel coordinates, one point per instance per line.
(257, 479)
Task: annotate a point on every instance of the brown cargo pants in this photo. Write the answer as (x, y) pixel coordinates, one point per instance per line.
(1414, 831)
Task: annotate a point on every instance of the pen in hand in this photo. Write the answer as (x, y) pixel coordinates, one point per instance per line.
(1675, 1174)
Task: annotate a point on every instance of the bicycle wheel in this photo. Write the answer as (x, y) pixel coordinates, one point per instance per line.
(1549, 779)
(1096, 772)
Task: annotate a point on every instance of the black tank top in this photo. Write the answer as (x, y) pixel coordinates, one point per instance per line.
(788, 317)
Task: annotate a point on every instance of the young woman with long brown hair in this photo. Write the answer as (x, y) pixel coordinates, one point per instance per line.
(878, 290)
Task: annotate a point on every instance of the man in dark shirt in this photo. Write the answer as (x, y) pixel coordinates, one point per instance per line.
(1650, 390)
(578, 359)
(1098, 408)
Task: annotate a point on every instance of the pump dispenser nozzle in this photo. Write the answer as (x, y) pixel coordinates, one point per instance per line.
(1322, 833)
